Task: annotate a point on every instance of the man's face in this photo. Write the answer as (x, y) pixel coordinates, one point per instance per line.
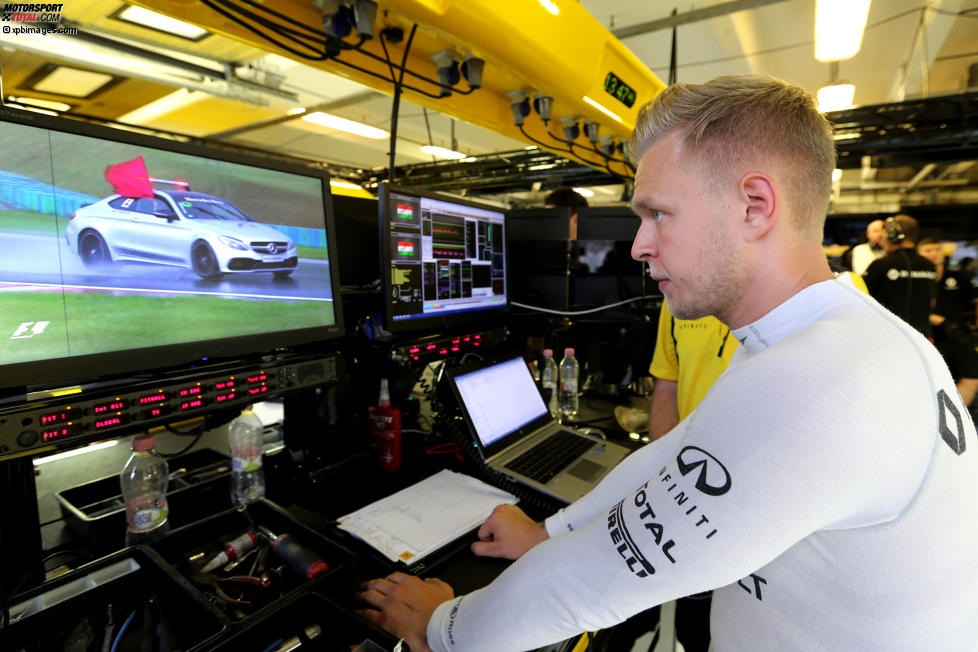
(932, 251)
(875, 232)
(685, 233)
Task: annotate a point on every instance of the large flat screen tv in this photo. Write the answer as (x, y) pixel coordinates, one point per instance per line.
(125, 254)
(445, 260)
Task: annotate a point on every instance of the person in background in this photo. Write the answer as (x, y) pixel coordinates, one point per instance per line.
(799, 488)
(864, 254)
(564, 197)
(903, 281)
(954, 303)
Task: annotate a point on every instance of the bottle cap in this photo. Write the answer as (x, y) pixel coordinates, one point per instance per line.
(385, 396)
(548, 353)
(143, 443)
(569, 351)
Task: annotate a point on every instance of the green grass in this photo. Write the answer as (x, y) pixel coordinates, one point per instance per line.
(319, 253)
(104, 322)
(15, 221)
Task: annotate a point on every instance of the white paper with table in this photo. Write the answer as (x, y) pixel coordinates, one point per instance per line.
(414, 522)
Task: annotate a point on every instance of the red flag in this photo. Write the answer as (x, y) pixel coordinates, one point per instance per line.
(130, 179)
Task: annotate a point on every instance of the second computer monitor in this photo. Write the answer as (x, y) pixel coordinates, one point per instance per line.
(445, 260)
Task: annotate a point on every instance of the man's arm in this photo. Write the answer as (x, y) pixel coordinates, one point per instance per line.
(663, 408)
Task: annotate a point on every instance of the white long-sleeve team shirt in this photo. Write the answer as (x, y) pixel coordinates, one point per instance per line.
(826, 488)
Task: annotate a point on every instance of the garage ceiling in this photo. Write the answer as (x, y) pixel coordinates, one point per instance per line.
(219, 88)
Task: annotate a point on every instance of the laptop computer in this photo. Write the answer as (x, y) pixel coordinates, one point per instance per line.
(518, 437)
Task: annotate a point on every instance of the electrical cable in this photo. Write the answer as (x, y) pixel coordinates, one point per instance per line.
(398, 87)
(571, 145)
(576, 157)
(122, 631)
(196, 438)
(571, 313)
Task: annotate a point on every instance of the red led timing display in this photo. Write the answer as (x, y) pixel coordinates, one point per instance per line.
(220, 398)
(259, 378)
(119, 420)
(54, 417)
(152, 398)
(63, 431)
(106, 407)
(227, 384)
(190, 391)
(189, 405)
(258, 390)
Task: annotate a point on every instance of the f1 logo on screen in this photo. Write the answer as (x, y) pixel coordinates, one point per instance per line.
(29, 329)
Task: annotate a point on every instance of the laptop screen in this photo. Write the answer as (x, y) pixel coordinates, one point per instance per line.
(500, 399)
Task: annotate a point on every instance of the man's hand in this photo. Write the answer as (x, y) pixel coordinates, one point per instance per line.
(403, 605)
(508, 533)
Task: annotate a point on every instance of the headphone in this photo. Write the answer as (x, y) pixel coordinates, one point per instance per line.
(894, 232)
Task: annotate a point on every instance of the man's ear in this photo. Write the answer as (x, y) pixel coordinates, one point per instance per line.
(760, 199)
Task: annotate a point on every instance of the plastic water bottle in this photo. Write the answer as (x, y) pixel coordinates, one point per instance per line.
(548, 381)
(569, 369)
(245, 442)
(144, 479)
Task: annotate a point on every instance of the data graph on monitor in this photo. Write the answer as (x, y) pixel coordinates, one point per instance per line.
(446, 258)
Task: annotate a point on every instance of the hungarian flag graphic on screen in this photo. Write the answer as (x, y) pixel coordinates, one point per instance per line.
(405, 248)
(405, 212)
(130, 179)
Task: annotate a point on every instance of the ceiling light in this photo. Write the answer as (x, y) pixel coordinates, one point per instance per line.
(441, 152)
(342, 124)
(78, 451)
(839, 26)
(836, 174)
(550, 6)
(336, 183)
(73, 82)
(160, 23)
(175, 101)
(27, 107)
(584, 192)
(601, 108)
(39, 103)
(835, 97)
(297, 110)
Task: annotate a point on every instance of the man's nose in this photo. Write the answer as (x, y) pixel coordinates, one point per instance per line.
(646, 244)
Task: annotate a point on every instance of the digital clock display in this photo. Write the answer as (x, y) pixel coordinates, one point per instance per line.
(619, 90)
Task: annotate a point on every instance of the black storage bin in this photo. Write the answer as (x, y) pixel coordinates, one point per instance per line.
(316, 621)
(66, 612)
(200, 486)
(188, 548)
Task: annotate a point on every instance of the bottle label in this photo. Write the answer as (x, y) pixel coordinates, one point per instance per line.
(242, 464)
(145, 513)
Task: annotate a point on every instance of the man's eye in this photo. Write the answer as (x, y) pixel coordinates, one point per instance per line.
(656, 215)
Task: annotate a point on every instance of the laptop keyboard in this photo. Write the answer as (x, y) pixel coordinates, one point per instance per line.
(551, 456)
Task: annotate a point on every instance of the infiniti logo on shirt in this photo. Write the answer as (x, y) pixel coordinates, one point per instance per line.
(713, 478)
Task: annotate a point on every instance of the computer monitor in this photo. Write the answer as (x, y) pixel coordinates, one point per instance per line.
(445, 260)
(126, 254)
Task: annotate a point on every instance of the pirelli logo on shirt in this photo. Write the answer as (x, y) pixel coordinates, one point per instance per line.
(698, 473)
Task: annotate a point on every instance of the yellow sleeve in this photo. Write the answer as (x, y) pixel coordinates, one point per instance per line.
(665, 364)
(858, 281)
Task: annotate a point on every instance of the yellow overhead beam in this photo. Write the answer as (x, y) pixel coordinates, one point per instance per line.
(547, 47)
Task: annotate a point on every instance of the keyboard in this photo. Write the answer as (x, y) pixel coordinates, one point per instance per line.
(551, 456)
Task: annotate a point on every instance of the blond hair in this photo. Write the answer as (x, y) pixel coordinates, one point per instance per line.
(754, 119)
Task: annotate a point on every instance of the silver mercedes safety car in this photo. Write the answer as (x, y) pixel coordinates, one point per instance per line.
(179, 228)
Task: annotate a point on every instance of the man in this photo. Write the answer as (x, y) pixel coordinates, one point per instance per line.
(816, 488)
(953, 305)
(903, 280)
(570, 198)
(865, 253)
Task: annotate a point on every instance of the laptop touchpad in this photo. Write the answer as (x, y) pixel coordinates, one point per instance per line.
(586, 470)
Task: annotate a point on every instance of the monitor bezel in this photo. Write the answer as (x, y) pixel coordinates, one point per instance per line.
(106, 366)
(444, 322)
